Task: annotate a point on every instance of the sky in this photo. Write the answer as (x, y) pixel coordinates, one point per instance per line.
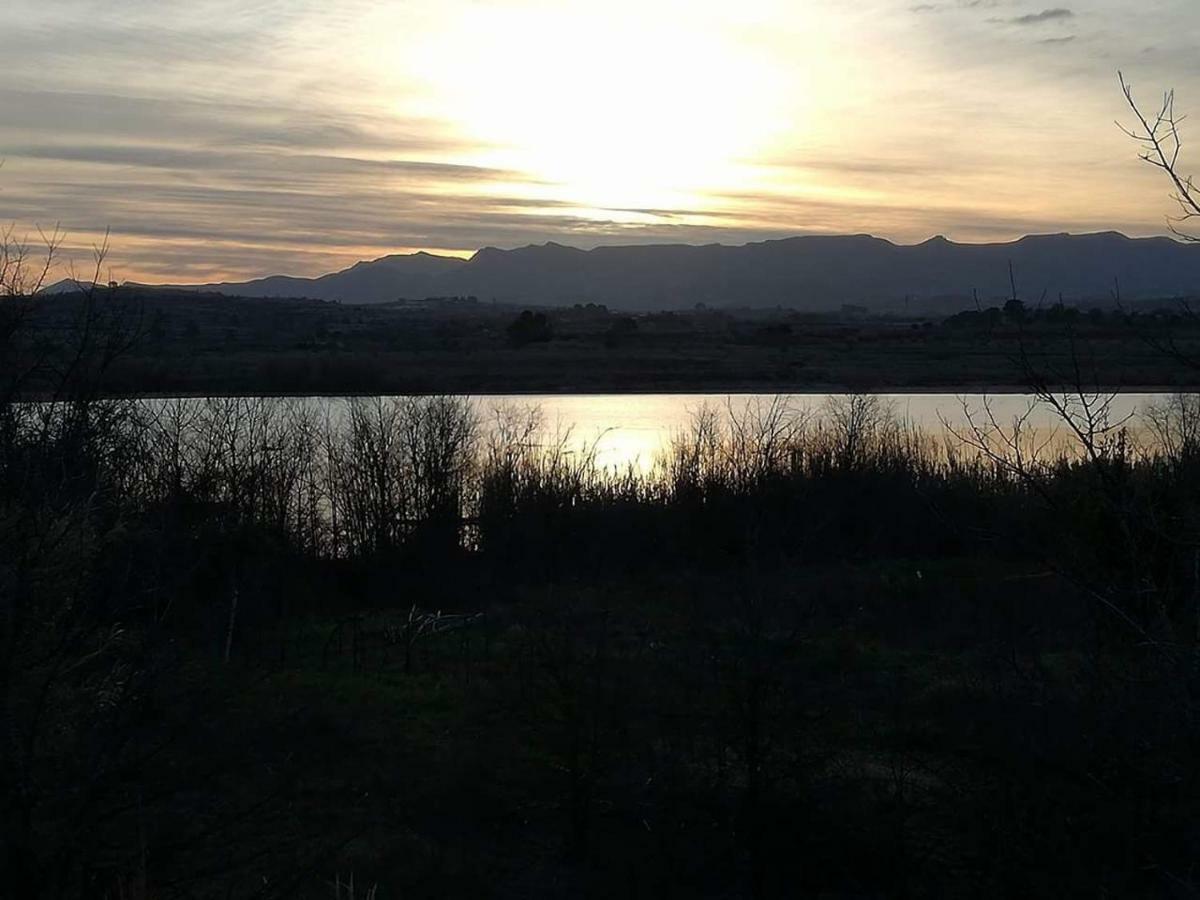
(223, 140)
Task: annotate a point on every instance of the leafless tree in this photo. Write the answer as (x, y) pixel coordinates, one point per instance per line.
(1162, 145)
(1174, 423)
(70, 677)
(1161, 142)
(856, 422)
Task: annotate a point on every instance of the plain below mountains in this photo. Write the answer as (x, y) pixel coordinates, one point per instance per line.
(813, 273)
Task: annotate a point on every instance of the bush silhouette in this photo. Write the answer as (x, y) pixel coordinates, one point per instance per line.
(530, 328)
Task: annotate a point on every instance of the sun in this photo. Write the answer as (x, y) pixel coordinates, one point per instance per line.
(606, 106)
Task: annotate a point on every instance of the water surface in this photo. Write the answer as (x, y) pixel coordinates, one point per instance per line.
(632, 429)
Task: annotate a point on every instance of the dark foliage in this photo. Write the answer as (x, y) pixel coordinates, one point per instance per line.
(530, 328)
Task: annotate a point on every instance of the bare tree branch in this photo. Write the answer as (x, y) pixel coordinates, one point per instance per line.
(1162, 145)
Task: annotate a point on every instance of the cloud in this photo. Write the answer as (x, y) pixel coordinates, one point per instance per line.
(957, 5)
(1057, 14)
(131, 118)
(259, 163)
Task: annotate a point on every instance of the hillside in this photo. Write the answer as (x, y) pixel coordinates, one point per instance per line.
(813, 273)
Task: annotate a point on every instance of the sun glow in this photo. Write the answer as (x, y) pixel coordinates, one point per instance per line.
(608, 109)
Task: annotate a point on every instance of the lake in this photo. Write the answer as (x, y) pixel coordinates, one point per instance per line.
(624, 430)
(632, 429)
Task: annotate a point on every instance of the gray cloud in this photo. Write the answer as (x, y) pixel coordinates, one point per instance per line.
(957, 5)
(1046, 15)
(260, 163)
(123, 118)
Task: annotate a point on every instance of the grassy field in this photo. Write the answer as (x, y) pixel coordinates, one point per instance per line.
(811, 729)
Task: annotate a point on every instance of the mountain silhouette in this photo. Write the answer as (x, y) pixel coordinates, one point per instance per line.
(810, 272)
(374, 281)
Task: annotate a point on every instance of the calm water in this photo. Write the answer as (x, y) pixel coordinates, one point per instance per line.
(624, 430)
(632, 429)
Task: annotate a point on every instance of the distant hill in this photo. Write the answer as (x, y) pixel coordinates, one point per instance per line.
(380, 280)
(66, 286)
(813, 272)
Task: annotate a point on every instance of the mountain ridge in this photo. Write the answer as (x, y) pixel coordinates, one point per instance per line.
(802, 271)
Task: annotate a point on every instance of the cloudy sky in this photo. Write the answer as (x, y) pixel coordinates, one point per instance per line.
(222, 139)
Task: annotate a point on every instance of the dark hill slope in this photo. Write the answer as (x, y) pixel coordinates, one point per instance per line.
(814, 272)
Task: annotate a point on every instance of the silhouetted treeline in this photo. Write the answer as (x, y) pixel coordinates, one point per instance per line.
(229, 489)
(197, 344)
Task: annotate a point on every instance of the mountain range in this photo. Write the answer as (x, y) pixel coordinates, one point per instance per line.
(811, 272)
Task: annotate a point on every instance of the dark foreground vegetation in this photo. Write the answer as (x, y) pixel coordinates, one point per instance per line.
(252, 648)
